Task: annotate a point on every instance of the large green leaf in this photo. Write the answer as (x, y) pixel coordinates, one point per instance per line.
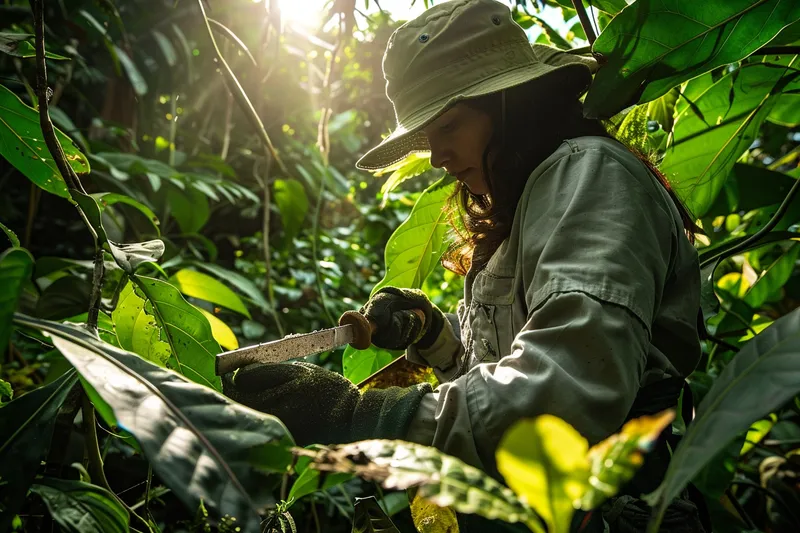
(310, 480)
(16, 267)
(189, 208)
(19, 45)
(715, 123)
(786, 111)
(442, 479)
(750, 187)
(240, 282)
(22, 144)
(204, 287)
(368, 517)
(137, 329)
(80, 507)
(26, 426)
(155, 321)
(544, 460)
(202, 445)
(292, 202)
(413, 251)
(654, 45)
(758, 380)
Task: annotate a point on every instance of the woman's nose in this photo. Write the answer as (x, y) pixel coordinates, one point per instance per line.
(439, 157)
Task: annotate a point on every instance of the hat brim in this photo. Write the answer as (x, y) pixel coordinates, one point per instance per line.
(408, 138)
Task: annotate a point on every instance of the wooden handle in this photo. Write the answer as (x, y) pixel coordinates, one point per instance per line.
(363, 329)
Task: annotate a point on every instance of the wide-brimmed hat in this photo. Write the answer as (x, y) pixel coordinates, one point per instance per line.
(458, 50)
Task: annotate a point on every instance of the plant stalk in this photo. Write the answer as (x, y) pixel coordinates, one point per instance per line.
(586, 22)
(66, 171)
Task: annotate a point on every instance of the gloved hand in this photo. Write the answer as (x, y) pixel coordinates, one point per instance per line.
(322, 407)
(398, 326)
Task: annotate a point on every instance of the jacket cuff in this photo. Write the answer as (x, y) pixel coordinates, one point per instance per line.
(443, 355)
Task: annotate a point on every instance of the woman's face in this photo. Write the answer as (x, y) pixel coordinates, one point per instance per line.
(458, 139)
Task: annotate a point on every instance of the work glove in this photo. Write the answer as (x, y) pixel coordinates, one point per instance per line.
(322, 407)
(398, 327)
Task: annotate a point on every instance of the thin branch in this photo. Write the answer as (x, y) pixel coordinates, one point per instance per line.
(744, 245)
(232, 82)
(48, 131)
(95, 460)
(57, 153)
(586, 22)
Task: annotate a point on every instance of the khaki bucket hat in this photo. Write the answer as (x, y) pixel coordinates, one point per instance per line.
(454, 51)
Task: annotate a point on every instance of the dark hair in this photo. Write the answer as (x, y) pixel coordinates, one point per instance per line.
(538, 117)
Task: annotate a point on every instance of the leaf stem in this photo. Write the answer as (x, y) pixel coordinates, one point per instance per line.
(745, 244)
(585, 21)
(95, 460)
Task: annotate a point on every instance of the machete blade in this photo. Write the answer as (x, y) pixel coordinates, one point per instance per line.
(289, 347)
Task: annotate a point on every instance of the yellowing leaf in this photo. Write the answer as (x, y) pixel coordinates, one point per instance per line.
(204, 287)
(430, 518)
(615, 460)
(221, 332)
(544, 461)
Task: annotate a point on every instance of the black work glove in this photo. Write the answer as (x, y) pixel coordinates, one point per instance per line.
(322, 407)
(398, 326)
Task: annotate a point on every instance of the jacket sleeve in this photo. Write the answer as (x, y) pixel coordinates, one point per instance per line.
(595, 247)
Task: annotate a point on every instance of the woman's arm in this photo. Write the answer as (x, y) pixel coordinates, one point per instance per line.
(596, 244)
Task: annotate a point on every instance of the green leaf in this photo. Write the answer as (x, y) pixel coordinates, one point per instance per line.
(750, 187)
(11, 235)
(774, 276)
(368, 517)
(758, 380)
(18, 45)
(127, 256)
(223, 334)
(188, 333)
(81, 507)
(310, 480)
(292, 201)
(189, 208)
(26, 428)
(137, 329)
(202, 445)
(132, 71)
(6, 392)
(412, 166)
(105, 199)
(16, 267)
(654, 45)
(662, 109)
(204, 287)
(358, 365)
(544, 461)
(633, 130)
(758, 430)
(414, 249)
(713, 131)
(441, 479)
(243, 284)
(786, 111)
(166, 48)
(22, 144)
(612, 7)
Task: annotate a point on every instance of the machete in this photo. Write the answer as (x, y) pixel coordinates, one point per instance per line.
(354, 329)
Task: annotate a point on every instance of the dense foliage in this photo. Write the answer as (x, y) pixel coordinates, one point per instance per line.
(198, 194)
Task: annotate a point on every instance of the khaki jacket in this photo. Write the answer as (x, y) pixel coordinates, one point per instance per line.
(594, 294)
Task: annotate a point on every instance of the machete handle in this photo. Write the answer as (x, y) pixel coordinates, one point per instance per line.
(363, 328)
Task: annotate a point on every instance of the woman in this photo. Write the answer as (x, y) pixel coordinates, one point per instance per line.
(581, 289)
